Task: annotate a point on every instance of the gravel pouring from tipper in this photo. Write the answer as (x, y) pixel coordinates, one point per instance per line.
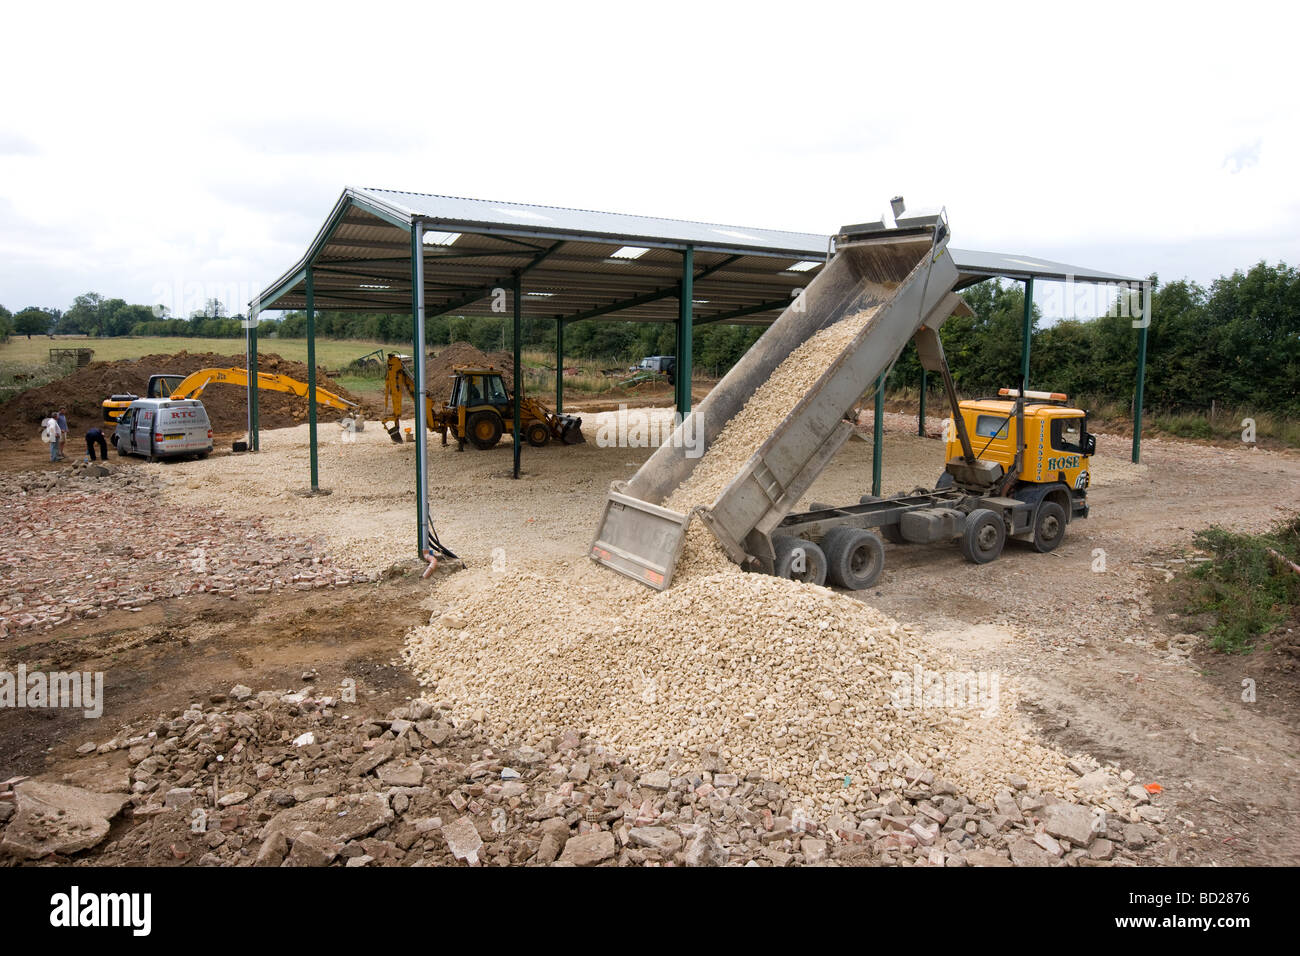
(790, 681)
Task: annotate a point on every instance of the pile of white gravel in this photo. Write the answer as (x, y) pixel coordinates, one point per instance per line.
(794, 682)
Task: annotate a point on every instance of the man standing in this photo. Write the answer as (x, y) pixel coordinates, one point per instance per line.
(63, 431)
(96, 437)
(50, 435)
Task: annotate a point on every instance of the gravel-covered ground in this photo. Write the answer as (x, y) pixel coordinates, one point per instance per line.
(1095, 664)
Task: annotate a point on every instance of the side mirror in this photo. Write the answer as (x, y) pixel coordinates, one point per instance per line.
(1090, 445)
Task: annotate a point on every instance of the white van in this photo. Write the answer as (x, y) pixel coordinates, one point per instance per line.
(163, 428)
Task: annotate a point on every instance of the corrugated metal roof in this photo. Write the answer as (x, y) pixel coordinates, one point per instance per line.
(362, 262)
(528, 219)
(978, 266)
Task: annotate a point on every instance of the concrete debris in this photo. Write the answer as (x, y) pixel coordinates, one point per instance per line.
(569, 800)
(50, 818)
(74, 550)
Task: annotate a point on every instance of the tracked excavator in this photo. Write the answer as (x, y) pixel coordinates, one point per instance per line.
(192, 386)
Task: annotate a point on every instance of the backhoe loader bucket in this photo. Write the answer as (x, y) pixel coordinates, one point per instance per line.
(571, 430)
(394, 431)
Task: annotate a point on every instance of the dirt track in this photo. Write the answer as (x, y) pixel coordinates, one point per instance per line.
(1091, 649)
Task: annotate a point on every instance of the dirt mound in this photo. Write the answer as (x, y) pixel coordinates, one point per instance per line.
(438, 369)
(81, 393)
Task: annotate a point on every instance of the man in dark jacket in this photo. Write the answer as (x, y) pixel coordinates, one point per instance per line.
(96, 437)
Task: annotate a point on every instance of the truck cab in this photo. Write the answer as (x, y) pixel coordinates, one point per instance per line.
(1057, 445)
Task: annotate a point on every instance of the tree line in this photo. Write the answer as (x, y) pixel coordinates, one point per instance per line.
(1235, 341)
(93, 314)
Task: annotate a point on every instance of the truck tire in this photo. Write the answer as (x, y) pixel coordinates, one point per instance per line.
(984, 537)
(892, 533)
(1049, 526)
(537, 434)
(854, 558)
(484, 429)
(795, 553)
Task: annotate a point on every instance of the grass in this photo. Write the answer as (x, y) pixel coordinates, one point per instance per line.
(1247, 585)
(330, 353)
(18, 377)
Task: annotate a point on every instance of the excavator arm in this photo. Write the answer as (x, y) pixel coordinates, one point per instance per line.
(192, 385)
(397, 380)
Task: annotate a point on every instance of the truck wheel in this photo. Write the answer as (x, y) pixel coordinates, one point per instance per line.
(1049, 526)
(854, 558)
(892, 533)
(799, 560)
(537, 434)
(485, 429)
(985, 535)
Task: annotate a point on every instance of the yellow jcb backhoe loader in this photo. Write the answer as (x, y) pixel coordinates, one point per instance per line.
(480, 410)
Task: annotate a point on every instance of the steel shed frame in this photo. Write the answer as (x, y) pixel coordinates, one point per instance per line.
(389, 251)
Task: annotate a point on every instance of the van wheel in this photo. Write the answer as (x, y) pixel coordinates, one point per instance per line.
(985, 535)
(1049, 526)
(854, 558)
(799, 560)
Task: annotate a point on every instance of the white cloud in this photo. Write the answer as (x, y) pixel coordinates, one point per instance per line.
(208, 143)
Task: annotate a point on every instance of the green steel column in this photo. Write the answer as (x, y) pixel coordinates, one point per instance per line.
(677, 352)
(1025, 332)
(519, 372)
(686, 332)
(311, 377)
(420, 353)
(878, 436)
(559, 366)
(1142, 372)
(920, 415)
(254, 438)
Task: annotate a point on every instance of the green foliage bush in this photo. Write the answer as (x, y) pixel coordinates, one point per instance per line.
(1245, 585)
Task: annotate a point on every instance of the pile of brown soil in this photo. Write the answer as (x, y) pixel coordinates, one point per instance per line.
(81, 393)
(438, 368)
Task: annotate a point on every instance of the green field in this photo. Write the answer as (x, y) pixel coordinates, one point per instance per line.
(332, 354)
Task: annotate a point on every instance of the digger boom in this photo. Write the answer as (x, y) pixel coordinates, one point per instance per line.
(192, 385)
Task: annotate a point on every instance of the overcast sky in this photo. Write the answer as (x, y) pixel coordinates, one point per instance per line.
(149, 149)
